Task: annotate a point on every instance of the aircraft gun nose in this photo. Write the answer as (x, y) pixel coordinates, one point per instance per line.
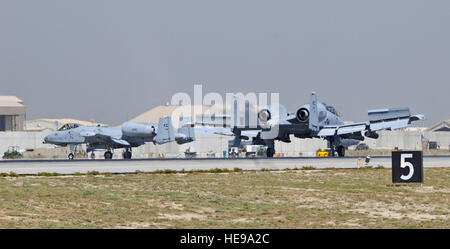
(48, 139)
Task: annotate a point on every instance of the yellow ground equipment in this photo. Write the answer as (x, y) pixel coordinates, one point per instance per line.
(322, 153)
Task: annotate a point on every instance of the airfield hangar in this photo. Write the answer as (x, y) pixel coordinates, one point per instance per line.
(29, 134)
(12, 113)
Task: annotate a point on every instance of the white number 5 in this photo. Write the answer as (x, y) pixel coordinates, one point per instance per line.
(404, 164)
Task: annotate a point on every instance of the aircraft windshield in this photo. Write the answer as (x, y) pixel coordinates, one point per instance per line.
(68, 127)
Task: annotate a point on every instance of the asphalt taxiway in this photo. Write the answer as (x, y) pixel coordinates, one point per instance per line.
(32, 167)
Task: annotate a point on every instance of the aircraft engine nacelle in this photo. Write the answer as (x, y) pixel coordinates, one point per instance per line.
(371, 134)
(264, 115)
(302, 114)
(131, 129)
(270, 112)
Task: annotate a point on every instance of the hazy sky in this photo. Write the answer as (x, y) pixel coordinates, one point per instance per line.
(112, 60)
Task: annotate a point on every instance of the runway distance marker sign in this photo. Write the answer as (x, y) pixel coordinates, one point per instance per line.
(407, 166)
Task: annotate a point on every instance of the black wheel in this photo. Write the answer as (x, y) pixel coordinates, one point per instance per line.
(270, 152)
(341, 151)
(108, 155)
(71, 156)
(127, 155)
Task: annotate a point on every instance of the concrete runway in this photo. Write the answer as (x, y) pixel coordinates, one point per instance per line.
(33, 167)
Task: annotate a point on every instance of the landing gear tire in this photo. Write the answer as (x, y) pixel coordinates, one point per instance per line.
(341, 151)
(270, 152)
(108, 155)
(71, 156)
(127, 155)
(92, 155)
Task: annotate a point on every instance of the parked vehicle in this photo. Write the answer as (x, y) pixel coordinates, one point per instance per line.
(190, 152)
(254, 150)
(14, 152)
(362, 146)
(432, 145)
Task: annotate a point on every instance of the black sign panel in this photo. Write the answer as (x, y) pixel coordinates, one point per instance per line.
(407, 166)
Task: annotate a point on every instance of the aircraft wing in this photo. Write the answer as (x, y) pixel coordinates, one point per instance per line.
(214, 130)
(329, 131)
(94, 137)
(382, 119)
(224, 131)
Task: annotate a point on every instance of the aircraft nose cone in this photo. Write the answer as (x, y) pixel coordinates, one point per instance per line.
(49, 139)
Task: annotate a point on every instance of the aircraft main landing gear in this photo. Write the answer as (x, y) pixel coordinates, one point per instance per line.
(127, 154)
(341, 151)
(334, 143)
(108, 155)
(270, 152)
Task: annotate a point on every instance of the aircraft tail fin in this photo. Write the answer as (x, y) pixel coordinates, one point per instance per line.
(165, 132)
(313, 113)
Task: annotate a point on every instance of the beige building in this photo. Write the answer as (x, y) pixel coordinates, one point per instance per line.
(12, 113)
(443, 125)
(55, 124)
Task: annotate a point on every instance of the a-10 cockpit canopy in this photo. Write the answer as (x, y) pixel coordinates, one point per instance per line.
(68, 127)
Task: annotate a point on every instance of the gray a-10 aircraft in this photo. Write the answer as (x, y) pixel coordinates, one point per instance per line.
(313, 120)
(130, 135)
